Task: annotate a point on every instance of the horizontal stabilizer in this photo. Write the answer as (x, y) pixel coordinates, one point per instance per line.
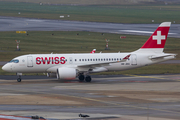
(162, 56)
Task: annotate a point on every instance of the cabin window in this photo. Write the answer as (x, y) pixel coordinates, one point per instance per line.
(79, 59)
(16, 61)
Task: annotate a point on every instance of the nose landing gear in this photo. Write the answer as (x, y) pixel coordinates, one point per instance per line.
(19, 77)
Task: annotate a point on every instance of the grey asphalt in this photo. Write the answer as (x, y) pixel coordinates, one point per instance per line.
(112, 108)
(17, 24)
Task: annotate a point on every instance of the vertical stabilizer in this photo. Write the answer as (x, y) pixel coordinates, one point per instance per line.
(157, 40)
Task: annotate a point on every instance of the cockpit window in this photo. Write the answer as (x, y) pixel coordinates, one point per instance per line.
(14, 61)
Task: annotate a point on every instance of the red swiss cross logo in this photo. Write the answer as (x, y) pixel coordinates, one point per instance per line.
(159, 37)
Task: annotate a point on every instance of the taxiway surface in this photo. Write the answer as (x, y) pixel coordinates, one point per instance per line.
(19, 24)
(112, 97)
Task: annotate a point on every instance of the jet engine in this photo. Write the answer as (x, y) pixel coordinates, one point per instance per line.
(66, 73)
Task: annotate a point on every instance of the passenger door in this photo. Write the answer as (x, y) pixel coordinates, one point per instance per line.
(133, 59)
(29, 61)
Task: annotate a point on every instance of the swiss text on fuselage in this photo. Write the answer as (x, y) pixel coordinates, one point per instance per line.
(50, 60)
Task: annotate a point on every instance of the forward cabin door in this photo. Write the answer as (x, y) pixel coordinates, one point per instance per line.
(29, 61)
(133, 59)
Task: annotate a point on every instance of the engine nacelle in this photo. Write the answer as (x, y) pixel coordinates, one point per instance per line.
(66, 73)
(52, 75)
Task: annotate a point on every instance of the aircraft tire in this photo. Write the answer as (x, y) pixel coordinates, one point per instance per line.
(88, 79)
(19, 79)
(81, 78)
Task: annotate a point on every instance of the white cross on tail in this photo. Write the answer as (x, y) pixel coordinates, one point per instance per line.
(159, 37)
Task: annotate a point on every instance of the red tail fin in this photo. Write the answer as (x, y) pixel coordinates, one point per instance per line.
(158, 38)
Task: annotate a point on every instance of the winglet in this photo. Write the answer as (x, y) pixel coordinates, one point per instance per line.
(93, 51)
(125, 58)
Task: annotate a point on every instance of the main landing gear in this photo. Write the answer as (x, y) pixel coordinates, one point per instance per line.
(82, 78)
(88, 78)
(19, 77)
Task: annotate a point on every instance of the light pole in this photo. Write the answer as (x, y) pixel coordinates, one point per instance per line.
(107, 47)
(18, 42)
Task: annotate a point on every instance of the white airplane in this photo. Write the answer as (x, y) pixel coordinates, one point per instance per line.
(70, 66)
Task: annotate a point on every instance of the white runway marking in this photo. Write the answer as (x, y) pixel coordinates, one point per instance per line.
(137, 31)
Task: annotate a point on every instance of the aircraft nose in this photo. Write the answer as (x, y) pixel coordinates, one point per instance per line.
(7, 68)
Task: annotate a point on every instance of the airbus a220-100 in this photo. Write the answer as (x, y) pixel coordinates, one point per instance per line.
(70, 66)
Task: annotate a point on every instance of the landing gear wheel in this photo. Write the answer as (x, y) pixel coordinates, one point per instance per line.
(19, 79)
(88, 79)
(81, 78)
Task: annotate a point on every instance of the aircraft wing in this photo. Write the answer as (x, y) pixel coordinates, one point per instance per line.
(87, 66)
